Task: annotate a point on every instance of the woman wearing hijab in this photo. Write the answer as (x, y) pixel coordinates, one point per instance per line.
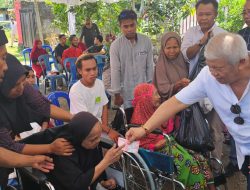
(171, 70)
(17, 111)
(84, 168)
(37, 50)
(145, 102)
(191, 168)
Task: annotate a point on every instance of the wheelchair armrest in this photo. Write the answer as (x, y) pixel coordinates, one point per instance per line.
(33, 174)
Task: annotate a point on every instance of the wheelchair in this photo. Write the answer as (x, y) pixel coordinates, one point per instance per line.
(159, 172)
(146, 170)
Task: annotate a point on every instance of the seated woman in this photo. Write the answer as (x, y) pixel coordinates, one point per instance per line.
(31, 78)
(171, 70)
(84, 168)
(37, 50)
(145, 102)
(192, 168)
(21, 105)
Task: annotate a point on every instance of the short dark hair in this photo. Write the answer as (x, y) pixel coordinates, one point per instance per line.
(83, 58)
(213, 2)
(72, 37)
(61, 35)
(127, 14)
(100, 38)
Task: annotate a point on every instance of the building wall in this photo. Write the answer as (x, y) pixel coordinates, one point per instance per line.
(26, 21)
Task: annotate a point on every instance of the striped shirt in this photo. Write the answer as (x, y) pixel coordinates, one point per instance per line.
(245, 33)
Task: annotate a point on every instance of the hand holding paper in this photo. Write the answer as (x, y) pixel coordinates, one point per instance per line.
(132, 147)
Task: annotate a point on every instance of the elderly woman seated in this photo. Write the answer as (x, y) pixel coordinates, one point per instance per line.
(192, 168)
(84, 169)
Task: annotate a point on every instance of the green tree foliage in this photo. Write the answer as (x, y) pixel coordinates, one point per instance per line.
(104, 15)
(165, 15)
(6, 4)
(157, 16)
(230, 15)
(61, 16)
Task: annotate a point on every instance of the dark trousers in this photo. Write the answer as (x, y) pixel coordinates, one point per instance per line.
(232, 155)
(245, 170)
(129, 113)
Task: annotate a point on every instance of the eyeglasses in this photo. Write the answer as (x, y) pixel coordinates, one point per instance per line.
(237, 110)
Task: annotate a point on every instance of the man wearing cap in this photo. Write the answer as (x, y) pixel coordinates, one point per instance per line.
(9, 158)
(131, 60)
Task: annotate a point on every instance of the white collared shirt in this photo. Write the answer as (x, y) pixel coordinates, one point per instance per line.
(222, 97)
(191, 37)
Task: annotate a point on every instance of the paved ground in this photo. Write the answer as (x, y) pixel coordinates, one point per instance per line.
(238, 180)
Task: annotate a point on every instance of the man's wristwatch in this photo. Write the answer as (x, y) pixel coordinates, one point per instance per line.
(146, 130)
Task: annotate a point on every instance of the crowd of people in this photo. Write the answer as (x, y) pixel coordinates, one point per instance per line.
(152, 94)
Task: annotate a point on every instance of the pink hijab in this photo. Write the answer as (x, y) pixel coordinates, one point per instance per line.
(143, 110)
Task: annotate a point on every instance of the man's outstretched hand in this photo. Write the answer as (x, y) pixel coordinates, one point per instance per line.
(43, 163)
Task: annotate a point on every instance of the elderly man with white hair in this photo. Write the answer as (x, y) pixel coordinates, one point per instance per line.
(225, 81)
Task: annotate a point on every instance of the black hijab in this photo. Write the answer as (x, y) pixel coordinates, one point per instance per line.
(77, 171)
(75, 131)
(80, 126)
(3, 38)
(14, 113)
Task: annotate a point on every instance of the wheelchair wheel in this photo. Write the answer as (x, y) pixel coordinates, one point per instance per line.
(136, 173)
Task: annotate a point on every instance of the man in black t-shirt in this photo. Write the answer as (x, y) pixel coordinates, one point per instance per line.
(60, 48)
(89, 31)
(98, 48)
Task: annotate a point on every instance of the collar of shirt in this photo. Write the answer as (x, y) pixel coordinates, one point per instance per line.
(136, 39)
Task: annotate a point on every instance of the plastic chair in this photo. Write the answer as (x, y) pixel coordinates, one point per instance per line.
(52, 78)
(26, 52)
(48, 48)
(53, 97)
(71, 72)
(100, 60)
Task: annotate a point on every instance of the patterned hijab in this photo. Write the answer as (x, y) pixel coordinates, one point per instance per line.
(143, 104)
(168, 72)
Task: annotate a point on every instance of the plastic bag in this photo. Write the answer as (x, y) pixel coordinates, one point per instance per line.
(194, 132)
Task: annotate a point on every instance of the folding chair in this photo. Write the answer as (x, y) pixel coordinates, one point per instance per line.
(52, 78)
(71, 72)
(26, 52)
(100, 60)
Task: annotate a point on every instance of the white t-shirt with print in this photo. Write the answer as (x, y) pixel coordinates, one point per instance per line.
(92, 99)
